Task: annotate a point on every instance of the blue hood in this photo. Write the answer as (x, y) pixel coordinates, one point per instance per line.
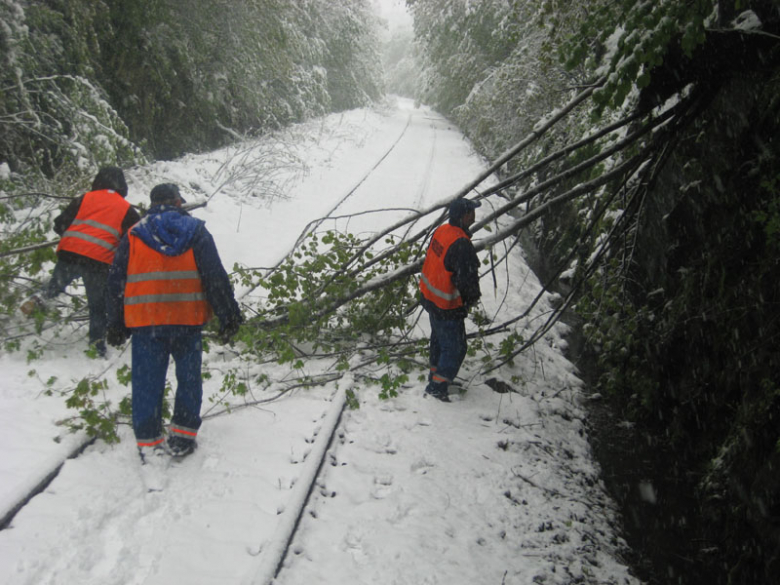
(167, 230)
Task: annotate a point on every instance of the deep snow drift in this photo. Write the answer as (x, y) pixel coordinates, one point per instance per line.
(492, 488)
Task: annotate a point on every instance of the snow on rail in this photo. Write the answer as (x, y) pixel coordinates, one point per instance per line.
(274, 551)
(16, 497)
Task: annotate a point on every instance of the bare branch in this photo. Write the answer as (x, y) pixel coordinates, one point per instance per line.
(26, 249)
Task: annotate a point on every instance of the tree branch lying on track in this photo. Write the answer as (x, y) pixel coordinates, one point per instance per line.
(323, 306)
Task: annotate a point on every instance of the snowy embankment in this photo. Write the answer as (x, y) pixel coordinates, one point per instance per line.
(492, 488)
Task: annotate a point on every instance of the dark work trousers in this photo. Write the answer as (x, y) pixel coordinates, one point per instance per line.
(152, 349)
(447, 351)
(95, 280)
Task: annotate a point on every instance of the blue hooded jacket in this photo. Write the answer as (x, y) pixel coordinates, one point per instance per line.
(172, 231)
(167, 230)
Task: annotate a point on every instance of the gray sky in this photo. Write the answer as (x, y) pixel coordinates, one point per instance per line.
(394, 11)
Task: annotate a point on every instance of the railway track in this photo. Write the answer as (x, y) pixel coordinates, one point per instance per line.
(311, 227)
(273, 551)
(35, 483)
(273, 555)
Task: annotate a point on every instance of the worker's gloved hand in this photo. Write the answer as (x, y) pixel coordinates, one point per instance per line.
(229, 330)
(117, 335)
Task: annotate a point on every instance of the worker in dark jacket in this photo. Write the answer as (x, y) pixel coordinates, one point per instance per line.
(450, 286)
(90, 228)
(166, 281)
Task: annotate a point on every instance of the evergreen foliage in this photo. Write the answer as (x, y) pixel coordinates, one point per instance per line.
(209, 70)
(173, 77)
(55, 120)
(399, 59)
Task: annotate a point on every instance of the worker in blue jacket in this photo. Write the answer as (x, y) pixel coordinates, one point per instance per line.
(164, 284)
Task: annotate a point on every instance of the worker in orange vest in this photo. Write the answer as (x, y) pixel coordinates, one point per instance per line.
(450, 286)
(165, 283)
(90, 228)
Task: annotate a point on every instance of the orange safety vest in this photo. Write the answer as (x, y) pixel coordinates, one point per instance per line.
(97, 228)
(163, 290)
(436, 281)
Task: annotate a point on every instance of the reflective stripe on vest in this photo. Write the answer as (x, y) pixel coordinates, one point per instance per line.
(436, 281)
(97, 228)
(163, 290)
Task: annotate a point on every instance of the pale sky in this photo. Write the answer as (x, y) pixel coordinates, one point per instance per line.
(394, 11)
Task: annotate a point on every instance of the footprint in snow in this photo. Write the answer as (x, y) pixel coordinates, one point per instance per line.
(382, 486)
(382, 444)
(353, 543)
(422, 466)
(423, 422)
(391, 406)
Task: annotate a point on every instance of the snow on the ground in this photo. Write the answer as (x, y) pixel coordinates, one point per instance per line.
(492, 488)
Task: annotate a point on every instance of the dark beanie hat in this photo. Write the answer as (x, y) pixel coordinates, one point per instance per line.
(110, 178)
(461, 207)
(165, 193)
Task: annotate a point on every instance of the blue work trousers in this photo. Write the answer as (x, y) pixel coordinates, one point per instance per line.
(152, 349)
(447, 352)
